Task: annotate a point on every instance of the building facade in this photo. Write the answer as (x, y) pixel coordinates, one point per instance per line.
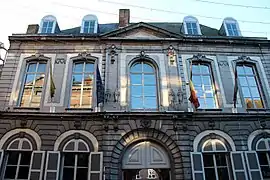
(120, 108)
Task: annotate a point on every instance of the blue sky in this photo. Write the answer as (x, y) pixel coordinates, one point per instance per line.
(17, 14)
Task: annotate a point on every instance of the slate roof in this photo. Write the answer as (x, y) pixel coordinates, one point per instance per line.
(171, 27)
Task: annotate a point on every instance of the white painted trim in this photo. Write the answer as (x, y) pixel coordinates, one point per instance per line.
(32, 133)
(100, 167)
(40, 171)
(253, 135)
(200, 136)
(89, 17)
(192, 165)
(191, 19)
(231, 20)
(48, 18)
(87, 134)
(47, 164)
(243, 163)
(253, 163)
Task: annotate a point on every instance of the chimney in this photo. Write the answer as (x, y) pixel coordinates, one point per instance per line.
(124, 16)
(32, 29)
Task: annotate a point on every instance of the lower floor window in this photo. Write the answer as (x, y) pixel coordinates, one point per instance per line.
(216, 166)
(264, 159)
(17, 165)
(75, 166)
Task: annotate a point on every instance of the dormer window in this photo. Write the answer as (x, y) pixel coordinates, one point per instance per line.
(48, 25)
(191, 26)
(89, 24)
(231, 27)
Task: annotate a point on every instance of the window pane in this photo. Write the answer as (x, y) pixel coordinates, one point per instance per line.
(77, 80)
(147, 68)
(210, 102)
(210, 174)
(136, 68)
(32, 67)
(249, 103)
(68, 174)
(251, 81)
(195, 69)
(149, 90)
(188, 25)
(10, 172)
(69, 159)
(41, 67)
(136, 79)
(221, 159)
(240, 70)
(199, 91)
(136, 103)
(25, 158)
(136, 90)
(82, 174)
(246, 92)
(149, 79)
(150, 102)
(78, 67)
(88, 80)
(89, 67)
(248, 70)
(13, 158)
(265, 171)
(83, 160)
(204, 69)
(243, 81)
(208, 160)
(258, 102)
(196, 80)
(23, 172)
(254, 92)
(223, 174)
(262, 158)
(207, 80)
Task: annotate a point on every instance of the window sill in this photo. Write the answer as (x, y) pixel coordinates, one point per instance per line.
(79, 109)
(27, 108)
(257, 110)
(207, 110)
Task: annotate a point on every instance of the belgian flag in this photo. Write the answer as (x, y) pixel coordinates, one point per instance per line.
(193, 95)
(235, 87)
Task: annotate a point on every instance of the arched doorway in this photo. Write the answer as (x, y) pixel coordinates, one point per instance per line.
(146, 160)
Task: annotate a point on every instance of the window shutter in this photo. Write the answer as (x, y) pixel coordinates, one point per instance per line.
(197, 166)
(95, 166)
(52, 165)
(254, 169)
(36, 165)
(238, 166)
(1, 157)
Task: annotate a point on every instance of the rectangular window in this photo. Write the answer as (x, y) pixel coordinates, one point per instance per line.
(82, 85)
(264, 159)
(249, 86)
(232, 29)
(47, 27)
(33, 83)
(192, 28)
(204, 86)
(88, 26)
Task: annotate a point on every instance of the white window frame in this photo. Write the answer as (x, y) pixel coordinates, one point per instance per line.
(191, 19)
(267, 150)
(47, 18)
(90, 17)
(230, 20)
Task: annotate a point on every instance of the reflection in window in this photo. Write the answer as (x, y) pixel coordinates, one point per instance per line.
(82, 85)
(192, 28)
(88, 26)
(216, 160)
(33, 84)
(47, 27)
(232, 29)
(249, 86)
(263, 151)
(204, 86)
(143, 86)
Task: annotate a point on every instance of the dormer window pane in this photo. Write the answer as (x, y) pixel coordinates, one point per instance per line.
(89, 26)
(47, 27)
(232, 29)
(192, 28)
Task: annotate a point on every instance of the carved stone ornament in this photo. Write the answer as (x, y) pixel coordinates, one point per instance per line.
(180, 96)
(198, 57)
(37, 56)
(223, 63)
(142, 54)
(108, 95)
(116, 95)
(113, 53)
(60, 61)
(84, 54)
(171, 54)
(244, 58)
(77, 124)
(145, 123)
(172, 98)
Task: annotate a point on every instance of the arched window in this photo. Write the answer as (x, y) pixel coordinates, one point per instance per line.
(263, 151)
(82, 84)
(33, 83)
(191, 26)
(89, 24)
(75, 160)
(143, 89)
(48, 25)
(18, 158)
(216, 160)
(203, 81)
(250, 88)
(231, 27)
